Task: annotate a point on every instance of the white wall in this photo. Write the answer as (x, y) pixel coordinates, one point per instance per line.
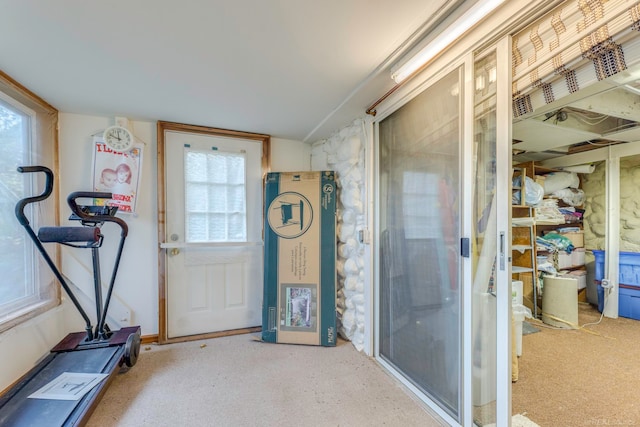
(136, 289)
(290, 156)
(136, 283)
(23, 345)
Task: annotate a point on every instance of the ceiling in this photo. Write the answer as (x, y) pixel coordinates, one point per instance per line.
(606, 113)
(293, 69)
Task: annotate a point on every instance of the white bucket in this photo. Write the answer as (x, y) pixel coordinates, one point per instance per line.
(560, 302)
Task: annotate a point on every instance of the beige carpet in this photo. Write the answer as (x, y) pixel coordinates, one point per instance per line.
(238, 381)
(583, 377)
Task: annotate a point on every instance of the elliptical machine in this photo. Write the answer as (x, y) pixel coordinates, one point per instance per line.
(96, 350)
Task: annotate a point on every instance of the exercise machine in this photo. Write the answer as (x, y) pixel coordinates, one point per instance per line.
(96, 350)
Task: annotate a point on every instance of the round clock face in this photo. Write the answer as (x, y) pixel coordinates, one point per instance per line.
(118, 138)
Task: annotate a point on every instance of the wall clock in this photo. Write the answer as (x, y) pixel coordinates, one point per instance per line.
(118, 138)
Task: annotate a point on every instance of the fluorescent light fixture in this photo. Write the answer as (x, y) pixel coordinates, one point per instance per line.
(437, 45)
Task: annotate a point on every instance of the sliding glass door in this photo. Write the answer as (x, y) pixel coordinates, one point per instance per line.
(419, 167)
(442, 217)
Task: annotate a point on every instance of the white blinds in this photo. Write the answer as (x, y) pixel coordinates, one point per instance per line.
(576, 44)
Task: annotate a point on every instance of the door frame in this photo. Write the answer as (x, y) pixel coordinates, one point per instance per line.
(162, 128)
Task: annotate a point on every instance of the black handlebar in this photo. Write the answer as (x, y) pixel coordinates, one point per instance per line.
(48, 188)
(71, 201)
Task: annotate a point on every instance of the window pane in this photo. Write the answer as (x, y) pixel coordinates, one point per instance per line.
(216, 168)
(215, 196)
(235, 172)
(196, 227)
(235, 199)
(197, 167)
(236, 227)
(16, 261)
(217, 227)
(198, 200)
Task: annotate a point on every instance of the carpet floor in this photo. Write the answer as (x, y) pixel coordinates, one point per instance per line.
(238, 381)
(584, 377)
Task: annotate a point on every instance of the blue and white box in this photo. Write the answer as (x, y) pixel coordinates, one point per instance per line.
(299, 304)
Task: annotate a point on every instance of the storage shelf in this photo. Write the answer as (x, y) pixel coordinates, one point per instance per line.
(517, 269)
(573, 267)
(521, 248)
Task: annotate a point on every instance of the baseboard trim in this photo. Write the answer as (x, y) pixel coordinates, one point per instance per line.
(148, 339)
(212, 335)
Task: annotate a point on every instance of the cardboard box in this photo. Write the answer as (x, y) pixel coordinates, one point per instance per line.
(576, 237)
(299, 305)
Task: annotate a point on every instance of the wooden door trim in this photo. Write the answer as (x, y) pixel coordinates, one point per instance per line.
(163, 127)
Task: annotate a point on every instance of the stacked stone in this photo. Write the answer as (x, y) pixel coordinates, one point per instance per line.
(343, 153)
(595, 215)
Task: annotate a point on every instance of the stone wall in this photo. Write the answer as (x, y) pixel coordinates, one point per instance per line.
(343, 153)
(594, 186)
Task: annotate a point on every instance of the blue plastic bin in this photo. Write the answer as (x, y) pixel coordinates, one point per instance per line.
(600, 298)
(628, 277)
(629, 303)
(628, 267)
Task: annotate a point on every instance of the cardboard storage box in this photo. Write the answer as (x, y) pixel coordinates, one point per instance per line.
(299, 305)
(576, 237)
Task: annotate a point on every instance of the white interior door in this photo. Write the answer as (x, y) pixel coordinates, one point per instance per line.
(213, 233)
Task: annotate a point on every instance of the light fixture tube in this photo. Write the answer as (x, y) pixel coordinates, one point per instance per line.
(437, 45)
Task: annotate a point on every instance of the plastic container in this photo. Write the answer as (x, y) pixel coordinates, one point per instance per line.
(628, 267)
(579, 275)
(520, 312)
(577, 257)
(600, 297)
(516, 292)
(628, 302)
(565, 260)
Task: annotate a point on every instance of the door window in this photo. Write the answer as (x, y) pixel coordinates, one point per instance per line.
(215, 209)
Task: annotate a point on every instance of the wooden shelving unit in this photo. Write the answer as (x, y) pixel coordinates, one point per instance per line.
(523, 242)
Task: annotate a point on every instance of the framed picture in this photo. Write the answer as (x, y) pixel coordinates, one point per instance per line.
(300, 307)
(117, 173)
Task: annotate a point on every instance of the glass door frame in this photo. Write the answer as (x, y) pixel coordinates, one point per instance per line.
(504, 114)
(503, 204)
(464, 213)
